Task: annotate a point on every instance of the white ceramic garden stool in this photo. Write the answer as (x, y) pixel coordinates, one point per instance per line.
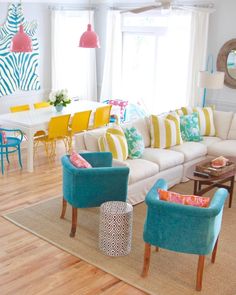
(115, 228)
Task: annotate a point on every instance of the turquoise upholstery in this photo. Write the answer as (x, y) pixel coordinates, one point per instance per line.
(11, 146)
(183, 228)
(83, 188)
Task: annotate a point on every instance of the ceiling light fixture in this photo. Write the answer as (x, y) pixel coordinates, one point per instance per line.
(21, 42)
(89, 38)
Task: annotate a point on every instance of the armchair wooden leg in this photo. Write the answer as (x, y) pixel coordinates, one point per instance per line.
(74, 222)
(157, 249)
(63, 211)
(200, 268)
(146, 262)
(213, 256)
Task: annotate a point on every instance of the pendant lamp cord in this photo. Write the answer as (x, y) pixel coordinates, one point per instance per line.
(89, 11)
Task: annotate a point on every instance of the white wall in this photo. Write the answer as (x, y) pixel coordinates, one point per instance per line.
(41, 14)
(222, 28)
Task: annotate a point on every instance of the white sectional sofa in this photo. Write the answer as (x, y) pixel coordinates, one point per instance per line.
(172, 163)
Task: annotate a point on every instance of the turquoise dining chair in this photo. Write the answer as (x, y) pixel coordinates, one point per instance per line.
(9, 145)
(182, 228)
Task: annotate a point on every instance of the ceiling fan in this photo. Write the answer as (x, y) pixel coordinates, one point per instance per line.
(164, 4)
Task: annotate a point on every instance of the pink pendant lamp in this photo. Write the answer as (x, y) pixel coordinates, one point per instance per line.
(21, 42)
(89, 39)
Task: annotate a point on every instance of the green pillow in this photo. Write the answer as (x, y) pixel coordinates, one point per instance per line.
(135, 142)
(189, 127)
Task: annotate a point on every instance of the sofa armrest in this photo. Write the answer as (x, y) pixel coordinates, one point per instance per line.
(117, 163)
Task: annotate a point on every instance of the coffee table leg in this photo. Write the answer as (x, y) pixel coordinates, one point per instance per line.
(231, 191)
(195, 187)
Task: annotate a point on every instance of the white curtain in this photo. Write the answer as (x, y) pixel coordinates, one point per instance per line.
(180, 55)
(111, 82)
(198, 51)
(73, 68)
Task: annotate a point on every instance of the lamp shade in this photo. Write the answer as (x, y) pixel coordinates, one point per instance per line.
(89, 39)
(209, 80)
(21, 42)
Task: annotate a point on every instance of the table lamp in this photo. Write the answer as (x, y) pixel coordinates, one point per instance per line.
(210, 80)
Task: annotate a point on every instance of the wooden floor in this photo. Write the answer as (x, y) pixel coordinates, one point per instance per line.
(29, 265)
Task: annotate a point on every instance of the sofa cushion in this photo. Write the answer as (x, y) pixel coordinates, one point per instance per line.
(141, 169)
(141, 125)
(165, 158)
(225, 148)
(114, 141)
(189, 126)
(135, 142)
(165, 131)
(208, 140)
(222, 122)
(206, 121)
(232, 130)
(91, 139)
(189, 200)
(191, 150)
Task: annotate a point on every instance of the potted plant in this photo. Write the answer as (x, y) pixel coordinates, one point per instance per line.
(59, 99)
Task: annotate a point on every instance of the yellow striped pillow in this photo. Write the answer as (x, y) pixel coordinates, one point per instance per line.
(165, 132)
(114, 141)
(186, 110)
(206, 121)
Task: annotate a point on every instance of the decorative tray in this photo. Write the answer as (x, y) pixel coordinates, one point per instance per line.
(207, 168)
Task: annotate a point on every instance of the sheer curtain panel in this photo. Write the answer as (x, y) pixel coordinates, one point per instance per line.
(73, 68)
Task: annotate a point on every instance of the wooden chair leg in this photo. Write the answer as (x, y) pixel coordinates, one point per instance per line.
(146, 261)
(157, 249)
(213, 256)
(200, 268)
(63, 211)
(74, 222)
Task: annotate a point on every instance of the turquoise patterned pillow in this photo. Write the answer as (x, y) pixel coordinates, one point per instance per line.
(189, 126)
(135, 142)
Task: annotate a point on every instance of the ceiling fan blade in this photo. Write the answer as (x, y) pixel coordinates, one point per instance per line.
(143, 8)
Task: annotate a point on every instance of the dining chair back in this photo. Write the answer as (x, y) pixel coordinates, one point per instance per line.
(42, 104)
(20, 108)
(58, 127)
(102, 116)
(10, 144)
(80, 122)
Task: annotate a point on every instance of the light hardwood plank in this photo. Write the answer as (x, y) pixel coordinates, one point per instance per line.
(29, 265)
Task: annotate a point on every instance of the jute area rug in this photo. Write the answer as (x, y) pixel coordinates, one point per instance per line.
(170, 273)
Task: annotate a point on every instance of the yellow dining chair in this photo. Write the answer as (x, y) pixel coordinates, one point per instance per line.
(42, 104)
(79, 123)
(57, 130)
(102, 116)
(20, 108)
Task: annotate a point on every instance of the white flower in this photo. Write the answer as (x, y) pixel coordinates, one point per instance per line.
(64, 92)
(52, 96)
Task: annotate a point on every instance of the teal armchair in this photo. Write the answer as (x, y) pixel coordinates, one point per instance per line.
(90, 187)
(182, 228)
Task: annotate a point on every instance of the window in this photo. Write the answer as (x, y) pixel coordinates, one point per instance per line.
(155, 60)
(73, 68)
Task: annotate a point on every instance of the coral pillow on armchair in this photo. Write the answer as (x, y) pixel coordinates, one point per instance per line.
(183, 199)
(79, 161)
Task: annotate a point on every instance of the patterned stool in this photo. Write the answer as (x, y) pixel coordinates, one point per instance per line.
(115, 230)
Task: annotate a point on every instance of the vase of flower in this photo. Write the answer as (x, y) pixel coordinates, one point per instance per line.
(59, 108)
(59, 99)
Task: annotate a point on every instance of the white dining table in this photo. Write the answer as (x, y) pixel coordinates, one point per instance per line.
(33, 120)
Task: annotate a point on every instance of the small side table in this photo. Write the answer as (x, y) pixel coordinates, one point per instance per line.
(115, 228)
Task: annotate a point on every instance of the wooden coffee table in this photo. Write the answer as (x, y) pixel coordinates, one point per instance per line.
(212, 181)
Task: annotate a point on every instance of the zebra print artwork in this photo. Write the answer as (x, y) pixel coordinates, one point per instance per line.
(17, 70)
